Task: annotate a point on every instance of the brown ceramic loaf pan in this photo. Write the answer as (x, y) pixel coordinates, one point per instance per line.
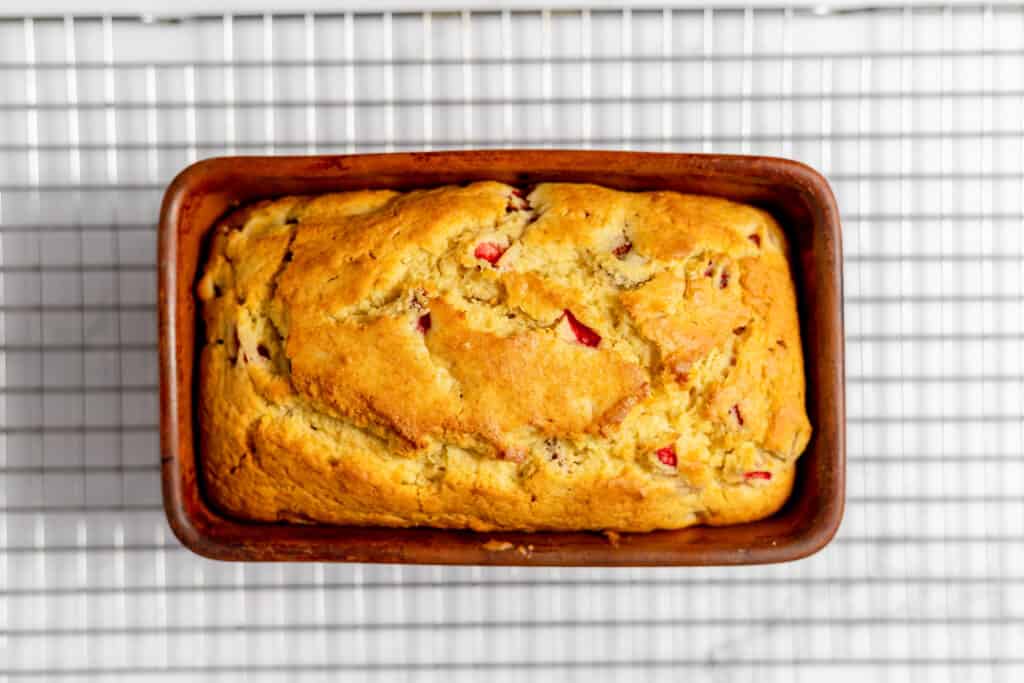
(796, 195)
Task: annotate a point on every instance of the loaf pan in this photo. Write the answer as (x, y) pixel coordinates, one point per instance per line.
(796, 195)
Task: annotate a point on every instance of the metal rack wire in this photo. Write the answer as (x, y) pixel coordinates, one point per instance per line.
(915, 114)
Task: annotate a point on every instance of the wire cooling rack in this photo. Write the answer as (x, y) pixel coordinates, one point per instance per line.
(916, 116)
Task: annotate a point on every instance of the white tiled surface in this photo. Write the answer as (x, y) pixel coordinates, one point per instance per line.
(916, 116)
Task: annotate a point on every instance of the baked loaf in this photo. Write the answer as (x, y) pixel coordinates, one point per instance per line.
(470, 357)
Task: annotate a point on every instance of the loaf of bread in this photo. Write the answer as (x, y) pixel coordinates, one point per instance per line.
(478, 357)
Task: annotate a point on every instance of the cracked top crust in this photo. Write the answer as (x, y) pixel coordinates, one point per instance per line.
(469, 357)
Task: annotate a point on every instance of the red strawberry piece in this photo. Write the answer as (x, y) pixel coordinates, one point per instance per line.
(755, 238)
(723, 281)
(423, 323)
(710, 270)
(516, 202)
(584, 335)
(667, 455)
(488, 251)
(758, 474)
(735, 412)
(622, 249)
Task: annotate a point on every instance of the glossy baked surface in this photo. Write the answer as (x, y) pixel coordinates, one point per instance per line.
(580, 358)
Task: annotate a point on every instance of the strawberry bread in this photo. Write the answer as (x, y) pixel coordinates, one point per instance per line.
(478, 357)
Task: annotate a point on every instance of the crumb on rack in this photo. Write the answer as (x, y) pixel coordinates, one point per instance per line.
(496, 546)
(614, 538)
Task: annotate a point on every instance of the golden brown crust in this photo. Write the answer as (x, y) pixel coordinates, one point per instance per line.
(463, 357)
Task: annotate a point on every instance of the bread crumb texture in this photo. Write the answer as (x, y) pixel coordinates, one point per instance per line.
(476, 357)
